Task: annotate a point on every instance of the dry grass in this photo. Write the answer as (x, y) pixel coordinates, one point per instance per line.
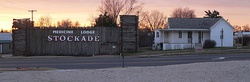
(149, 52)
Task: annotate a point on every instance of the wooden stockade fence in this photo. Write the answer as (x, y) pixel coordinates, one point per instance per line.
(105, 40)
(31, 41)
(129, 31)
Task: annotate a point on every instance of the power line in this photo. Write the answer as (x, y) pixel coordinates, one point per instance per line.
(32, 11)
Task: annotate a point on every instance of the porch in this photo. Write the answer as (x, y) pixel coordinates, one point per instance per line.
(180, 46)
(181, 39)
(174, 46)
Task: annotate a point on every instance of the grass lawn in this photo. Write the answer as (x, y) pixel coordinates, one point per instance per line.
(225, 50)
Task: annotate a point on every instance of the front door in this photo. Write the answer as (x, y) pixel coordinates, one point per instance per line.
(190, 36)
(200, 36)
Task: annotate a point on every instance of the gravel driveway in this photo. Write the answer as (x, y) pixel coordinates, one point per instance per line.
(230, 71)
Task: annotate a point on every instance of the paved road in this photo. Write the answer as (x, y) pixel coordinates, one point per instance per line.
(99, 62)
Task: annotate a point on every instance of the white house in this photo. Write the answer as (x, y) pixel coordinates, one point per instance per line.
(185, 33)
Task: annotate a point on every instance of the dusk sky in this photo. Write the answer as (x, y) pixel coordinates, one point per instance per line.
(236, 11)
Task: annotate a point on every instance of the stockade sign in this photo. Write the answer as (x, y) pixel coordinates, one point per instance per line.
(31, 41)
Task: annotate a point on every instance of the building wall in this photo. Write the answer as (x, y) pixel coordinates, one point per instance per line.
(206, 36)
(228, 34)
(6, 48)
(195, 39)
(158, 36)
(173, 36)
(177, 39)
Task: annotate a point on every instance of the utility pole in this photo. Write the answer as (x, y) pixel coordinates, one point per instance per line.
(32, 11)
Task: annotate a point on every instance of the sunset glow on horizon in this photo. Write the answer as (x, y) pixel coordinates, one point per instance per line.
(236, 12)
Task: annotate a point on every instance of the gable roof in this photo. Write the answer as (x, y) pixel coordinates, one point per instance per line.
(192, 23)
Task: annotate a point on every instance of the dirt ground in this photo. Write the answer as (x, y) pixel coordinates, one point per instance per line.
(229, 71)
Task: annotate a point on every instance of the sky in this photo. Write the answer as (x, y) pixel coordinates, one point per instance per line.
(237, 12)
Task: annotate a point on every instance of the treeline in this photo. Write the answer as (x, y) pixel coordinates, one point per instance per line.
(244, 28)
(5, 31)
(46, 21)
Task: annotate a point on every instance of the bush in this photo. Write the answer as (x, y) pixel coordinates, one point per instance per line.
(209, 44)
(246, 40)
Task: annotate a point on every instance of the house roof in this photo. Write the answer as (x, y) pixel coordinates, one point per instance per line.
(5, 36)
(192, 23)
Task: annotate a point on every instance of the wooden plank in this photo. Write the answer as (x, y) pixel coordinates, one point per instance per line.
(38, 44)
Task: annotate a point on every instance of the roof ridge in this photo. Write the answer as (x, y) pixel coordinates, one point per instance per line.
(192, 23)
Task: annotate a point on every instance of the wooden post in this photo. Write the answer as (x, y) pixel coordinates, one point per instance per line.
(1, 50)
(129, 26)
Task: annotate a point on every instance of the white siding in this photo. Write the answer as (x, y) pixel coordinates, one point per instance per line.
(185, 37)
(175, 37)
(206, 36)
(228, 33)
(158, 39)
(166, 37)
(195, 37)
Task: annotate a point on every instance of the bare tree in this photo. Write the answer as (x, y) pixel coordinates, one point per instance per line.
(246, 28)
(116, 7)
(65, 23)
(76, 24)
(183, 13)
(237, 28)
(153, 20)
(45, 21)
(132, 7)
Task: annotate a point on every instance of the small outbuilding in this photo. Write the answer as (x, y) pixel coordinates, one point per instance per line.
(5, 43)
(186, 33)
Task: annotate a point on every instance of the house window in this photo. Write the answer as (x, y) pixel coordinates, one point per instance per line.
(180, 34)
(157, 34)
